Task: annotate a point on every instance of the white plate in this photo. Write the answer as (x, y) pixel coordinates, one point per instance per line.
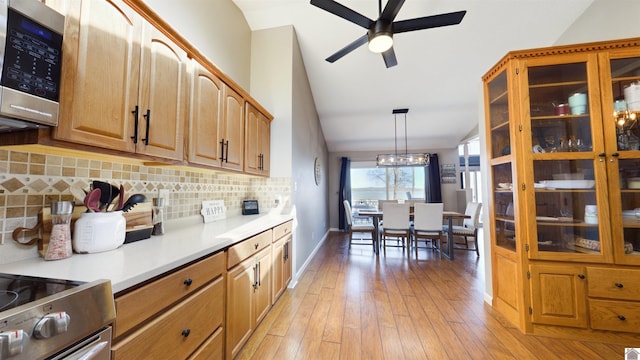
(569, 184)
(546, 218)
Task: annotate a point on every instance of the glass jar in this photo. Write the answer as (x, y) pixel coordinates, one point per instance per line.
(158, 216)
(60, 241)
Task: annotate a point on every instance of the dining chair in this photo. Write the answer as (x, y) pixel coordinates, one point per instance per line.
(427, 225)
(367, 228)
(469, 227)
(395, 225)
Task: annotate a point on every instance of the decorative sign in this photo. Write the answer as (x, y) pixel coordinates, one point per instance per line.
(448, 173)
(213, 210)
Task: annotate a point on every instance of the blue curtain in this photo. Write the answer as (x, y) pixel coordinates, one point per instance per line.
(344, 191)
(432, 189)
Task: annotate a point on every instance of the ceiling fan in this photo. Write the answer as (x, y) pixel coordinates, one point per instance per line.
(380, 32)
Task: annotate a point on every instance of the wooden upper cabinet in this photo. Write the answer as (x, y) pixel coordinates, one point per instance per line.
(163, 96)
(257, 142)
(114, 63)
(100, 74)
(206, 111)
(232, 130)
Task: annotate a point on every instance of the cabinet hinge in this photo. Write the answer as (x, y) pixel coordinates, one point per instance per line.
(526, 247)
(524, 187)
(517, 71)
(528, 275)
(520, 127)
(530, 310)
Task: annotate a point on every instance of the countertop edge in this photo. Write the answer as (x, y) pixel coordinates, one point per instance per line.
(185, 240)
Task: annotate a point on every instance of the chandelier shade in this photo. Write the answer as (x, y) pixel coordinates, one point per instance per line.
(401, 159)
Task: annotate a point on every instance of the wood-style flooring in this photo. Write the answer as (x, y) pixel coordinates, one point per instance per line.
(350, 304)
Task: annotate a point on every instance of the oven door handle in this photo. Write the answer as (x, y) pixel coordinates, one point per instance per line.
(92, 352)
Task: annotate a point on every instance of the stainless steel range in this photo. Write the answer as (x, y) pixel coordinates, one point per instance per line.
(55, 319)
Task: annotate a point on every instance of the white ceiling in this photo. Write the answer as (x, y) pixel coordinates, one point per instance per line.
(438, 76)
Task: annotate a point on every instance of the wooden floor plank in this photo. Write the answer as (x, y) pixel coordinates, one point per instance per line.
(350, 304)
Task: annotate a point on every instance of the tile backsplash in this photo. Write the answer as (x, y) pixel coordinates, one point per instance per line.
(31, 180)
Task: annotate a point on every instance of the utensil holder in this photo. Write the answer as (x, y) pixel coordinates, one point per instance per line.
(99, 231)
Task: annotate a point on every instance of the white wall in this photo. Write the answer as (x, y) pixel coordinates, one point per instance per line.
(279, 82)
(604, 20)
(217, 28)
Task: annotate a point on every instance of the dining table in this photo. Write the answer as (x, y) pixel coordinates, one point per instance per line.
(447, 216)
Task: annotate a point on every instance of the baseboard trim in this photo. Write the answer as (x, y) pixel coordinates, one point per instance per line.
(297, 276)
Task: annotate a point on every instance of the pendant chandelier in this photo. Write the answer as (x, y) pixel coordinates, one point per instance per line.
(406, 159)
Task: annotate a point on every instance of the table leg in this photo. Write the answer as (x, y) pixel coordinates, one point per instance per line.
(449, 254)
(376, 237)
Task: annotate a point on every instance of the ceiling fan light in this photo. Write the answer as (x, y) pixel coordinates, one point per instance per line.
(380, 43)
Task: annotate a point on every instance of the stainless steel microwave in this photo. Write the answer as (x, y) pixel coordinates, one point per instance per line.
(30, 64)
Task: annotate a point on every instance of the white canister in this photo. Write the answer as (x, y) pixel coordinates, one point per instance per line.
(99, 231)
(632, 96)
(578, 103)
(591, 214)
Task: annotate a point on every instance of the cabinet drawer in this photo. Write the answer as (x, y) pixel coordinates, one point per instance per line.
(614, 315)
(137, 306)
(282, 230)
(248, 248)
(212, 349)
(178, 332)
(622, 284)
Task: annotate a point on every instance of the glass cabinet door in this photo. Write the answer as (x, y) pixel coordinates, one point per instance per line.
(621, 108)
(500, 153)
(564, 143)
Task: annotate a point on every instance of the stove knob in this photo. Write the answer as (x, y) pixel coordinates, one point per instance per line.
(51, 325)
(12, 342)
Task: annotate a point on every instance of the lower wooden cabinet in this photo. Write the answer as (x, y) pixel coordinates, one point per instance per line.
(180, 331)
(281, 270)
(248, 299)
(558, 295)
(174, 315)
(614, 299)
(212, 349)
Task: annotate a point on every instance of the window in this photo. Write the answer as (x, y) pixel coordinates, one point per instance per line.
(370, 184)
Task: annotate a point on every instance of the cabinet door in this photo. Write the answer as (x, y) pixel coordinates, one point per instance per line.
(558, 295)
(621, 108)
(240, 312)
(277, 270)
(563, 147)
(164, 101)
(257, 142)
(100, 74)
(206, 111)
(232, 130)
(287, 268)
(262, 292)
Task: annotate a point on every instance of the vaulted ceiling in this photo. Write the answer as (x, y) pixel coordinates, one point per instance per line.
(438, 76)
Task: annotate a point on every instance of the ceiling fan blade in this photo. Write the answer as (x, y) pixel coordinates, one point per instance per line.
(391, 10)
(349, 48)
(428, 22)
(343, 12)
(389, 57)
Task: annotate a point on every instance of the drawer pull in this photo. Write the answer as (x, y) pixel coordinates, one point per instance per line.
(186, 332)
(257, 245)
(621, 317)
(581, 276)
(188, 281)
(619, 285)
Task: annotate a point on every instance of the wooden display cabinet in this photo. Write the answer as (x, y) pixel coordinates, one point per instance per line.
(553, 161)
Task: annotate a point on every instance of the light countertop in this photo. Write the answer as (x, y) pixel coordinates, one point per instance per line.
(184, 240)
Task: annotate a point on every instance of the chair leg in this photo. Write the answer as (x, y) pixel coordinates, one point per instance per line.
(475, 239)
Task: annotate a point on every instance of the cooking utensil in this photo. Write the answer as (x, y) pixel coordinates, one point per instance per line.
(105, 191)
(120, 198)
(113, 194)
(132, 201)
(92, 200)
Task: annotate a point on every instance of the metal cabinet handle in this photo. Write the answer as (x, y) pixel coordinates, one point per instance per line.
(619, 285)
(621, 317)
(222, 150)
(581, 276)
(255, 277)
(226, 144)
(186, 332)
(256, 245)
(135, 113)
(259, 282)
(188, 281)
(147, 117)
